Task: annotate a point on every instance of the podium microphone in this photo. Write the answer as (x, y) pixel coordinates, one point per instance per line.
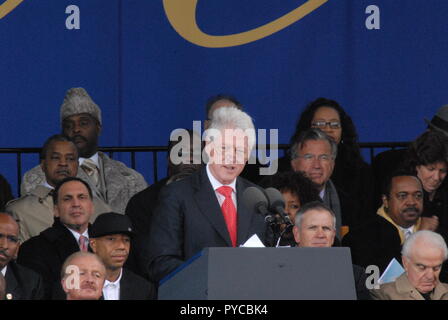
(254, 198)
(277, 204)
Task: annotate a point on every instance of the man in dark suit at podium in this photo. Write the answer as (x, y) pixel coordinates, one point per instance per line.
(206, 209)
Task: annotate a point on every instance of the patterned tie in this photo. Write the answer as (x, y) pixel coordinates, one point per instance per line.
(91, 170)
(83, 243)
(229, 212)
(407, 233)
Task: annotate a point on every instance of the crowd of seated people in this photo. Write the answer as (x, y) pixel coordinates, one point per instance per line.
(89, 227)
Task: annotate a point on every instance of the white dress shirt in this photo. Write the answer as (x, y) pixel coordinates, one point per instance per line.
(111, 290)
(94, 158)
(4, 271)
(216, 184)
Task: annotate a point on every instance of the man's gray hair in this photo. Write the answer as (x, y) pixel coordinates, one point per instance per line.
(312, 134)
(75, 255)
(232, 118)
(314, 205)
(429, 237)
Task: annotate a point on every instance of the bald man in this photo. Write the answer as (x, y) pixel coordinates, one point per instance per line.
(21, 283)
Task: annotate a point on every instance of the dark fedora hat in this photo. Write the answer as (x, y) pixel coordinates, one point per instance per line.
(111, 223)
(440, 120)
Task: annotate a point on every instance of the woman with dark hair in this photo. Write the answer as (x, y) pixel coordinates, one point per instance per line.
(427, 158)
(296, 190)
(351, 174)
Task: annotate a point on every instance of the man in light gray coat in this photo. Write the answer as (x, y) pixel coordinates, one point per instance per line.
(111, 181)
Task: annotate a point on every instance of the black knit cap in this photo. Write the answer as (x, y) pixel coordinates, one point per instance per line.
(111, 223)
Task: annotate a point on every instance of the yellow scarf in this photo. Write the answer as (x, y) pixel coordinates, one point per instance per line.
(381, 212)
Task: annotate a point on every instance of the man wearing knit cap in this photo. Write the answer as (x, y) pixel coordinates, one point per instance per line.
(111, 181)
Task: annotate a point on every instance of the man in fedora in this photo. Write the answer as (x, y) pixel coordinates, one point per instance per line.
(110, 239)
(110, 180)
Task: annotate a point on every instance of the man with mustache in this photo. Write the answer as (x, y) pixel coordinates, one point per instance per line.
(35, 211)
(381, 238)
(110, 180)
(21, 282)
(111, 240)
(82, 276)
(45, 253)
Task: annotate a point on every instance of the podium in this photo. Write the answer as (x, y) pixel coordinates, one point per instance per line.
(262, 274)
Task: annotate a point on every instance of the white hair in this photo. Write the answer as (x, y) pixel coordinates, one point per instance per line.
(429, 237)
(232, 118)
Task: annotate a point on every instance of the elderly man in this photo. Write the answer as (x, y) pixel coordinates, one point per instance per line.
(35, 211)
(206, 209)
(21, 282)
(314, 155)
(82, 276)
(380, 239)
(111, 240)
(46, 252)
(315, 226)
(422, 256)
(110, 180)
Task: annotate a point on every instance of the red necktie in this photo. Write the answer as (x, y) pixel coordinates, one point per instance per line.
(83, 243)
(229, 212)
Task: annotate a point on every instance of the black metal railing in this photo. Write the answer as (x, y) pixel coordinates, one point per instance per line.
(155, 150)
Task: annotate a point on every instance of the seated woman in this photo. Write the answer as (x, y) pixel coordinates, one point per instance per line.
(427, 157)
(296, 190)
(351, 174)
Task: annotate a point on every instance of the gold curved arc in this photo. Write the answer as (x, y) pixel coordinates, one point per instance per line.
(182, 16)
(8, 6)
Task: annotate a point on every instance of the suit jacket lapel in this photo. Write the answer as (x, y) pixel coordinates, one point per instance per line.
(125, 286)
(12, 286)
(208, 204)
(244, 215)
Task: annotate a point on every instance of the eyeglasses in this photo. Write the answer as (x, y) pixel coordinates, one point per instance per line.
(311, 157)
(323, 124)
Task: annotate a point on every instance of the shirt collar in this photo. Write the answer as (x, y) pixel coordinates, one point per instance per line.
(215, 183)
(4, 270)
(77, 235)
(94, 158)
(45, 184)
(116, 282)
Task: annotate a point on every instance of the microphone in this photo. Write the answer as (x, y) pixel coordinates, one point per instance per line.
(277, 204)
(254, 198)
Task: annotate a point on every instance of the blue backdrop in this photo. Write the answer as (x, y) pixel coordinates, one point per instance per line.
(149, 80)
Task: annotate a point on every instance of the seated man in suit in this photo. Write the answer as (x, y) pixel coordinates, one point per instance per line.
(110, 180)
(314, 154)
(47, 252)
(315, 227)
(110, 239)
(206, 209)
(21, 282)
(422, 256)
(380, 239)
(35, 210)
(82, 276)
